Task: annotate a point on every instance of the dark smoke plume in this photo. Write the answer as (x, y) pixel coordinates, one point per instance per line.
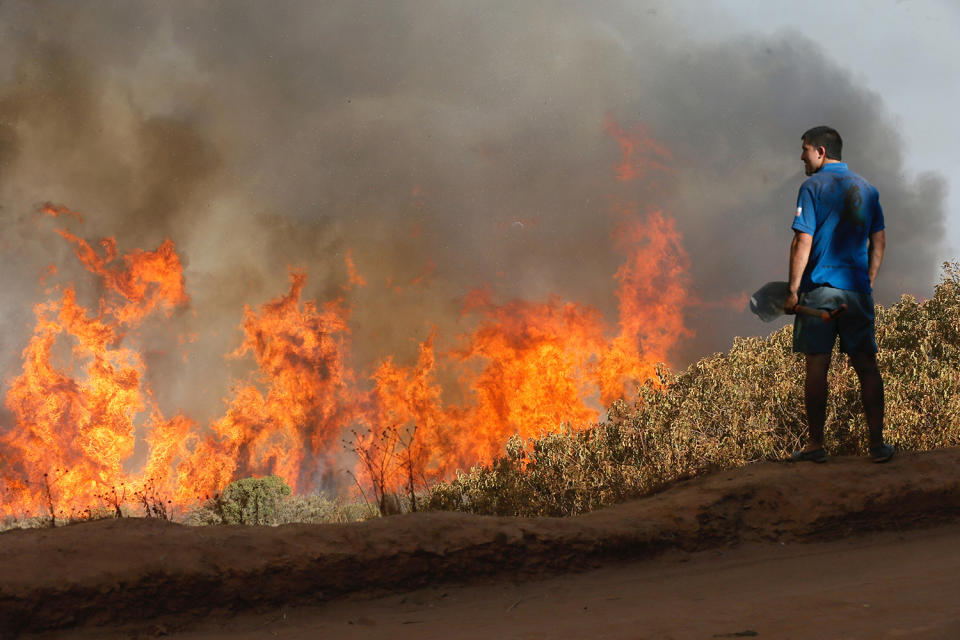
(447, 144)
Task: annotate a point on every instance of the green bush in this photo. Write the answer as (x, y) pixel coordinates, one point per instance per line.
(728, 410)
(245, 501)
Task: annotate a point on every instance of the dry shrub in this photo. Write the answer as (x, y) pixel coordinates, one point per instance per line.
(728, 410)
(319, 509)
(267, 501)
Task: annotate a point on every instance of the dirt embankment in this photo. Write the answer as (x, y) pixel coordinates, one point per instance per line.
(116, 571)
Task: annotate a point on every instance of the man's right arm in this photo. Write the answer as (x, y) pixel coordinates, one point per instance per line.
(799, 256)
(875, 247)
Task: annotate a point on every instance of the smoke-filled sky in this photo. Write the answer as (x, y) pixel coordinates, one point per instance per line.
(447, 145)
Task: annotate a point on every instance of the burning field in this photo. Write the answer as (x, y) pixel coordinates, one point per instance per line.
(88, 432)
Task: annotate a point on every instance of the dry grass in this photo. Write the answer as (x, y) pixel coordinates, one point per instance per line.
(728, 410)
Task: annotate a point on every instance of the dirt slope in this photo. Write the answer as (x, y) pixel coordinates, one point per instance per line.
(874, 586)
(117, 571)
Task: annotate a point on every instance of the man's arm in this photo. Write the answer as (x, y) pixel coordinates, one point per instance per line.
(875, 247)
(799, 254)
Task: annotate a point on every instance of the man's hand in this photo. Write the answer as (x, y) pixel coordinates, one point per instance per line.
(793, 299)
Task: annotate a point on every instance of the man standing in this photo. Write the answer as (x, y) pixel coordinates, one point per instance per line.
(837, 247)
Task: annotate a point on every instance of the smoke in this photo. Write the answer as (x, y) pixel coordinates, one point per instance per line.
(447, 145)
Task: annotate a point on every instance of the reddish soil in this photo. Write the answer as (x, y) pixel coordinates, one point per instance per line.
(846, 549)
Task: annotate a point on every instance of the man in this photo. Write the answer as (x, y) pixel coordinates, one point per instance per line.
(837, 247)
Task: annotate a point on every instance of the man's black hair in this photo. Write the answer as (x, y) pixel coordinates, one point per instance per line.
(826, 137)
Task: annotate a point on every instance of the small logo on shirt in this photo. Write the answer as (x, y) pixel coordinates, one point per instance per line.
(799, 211)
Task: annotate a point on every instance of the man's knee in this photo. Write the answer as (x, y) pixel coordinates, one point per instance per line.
(864, 363)
(818, 363)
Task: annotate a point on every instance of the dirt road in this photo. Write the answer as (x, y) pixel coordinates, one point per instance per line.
(842, 550)
(886, 585)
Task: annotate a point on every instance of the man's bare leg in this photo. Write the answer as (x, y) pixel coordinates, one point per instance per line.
(871, 393)
(815, 395)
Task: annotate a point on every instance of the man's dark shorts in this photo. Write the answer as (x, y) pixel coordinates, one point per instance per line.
(855, 326)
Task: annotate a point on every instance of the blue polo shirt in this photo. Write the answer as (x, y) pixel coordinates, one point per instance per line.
(840, 210)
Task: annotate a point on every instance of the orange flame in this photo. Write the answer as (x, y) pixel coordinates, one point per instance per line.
(354, 277)
(289, 431)
(56, 210)
(81, 429)
(639, 153)
(146, 280)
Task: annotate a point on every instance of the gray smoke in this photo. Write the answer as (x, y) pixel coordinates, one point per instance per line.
(459, 141)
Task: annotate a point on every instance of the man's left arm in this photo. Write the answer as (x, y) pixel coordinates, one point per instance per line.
(799, 255)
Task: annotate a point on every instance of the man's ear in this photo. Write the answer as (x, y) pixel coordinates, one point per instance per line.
(821, 152)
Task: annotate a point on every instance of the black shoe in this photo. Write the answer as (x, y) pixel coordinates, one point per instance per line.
(817, 455)
(882, 453)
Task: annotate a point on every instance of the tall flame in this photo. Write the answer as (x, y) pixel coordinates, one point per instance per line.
(290, 430)
(76, 431)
